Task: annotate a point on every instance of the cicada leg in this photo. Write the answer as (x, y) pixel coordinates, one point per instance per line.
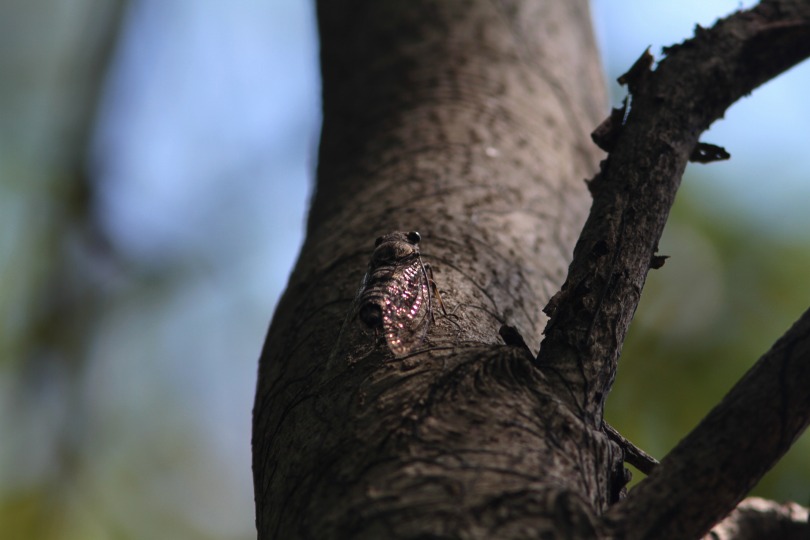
(434, 289)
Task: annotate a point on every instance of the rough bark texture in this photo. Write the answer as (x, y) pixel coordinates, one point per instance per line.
(468, 122)
(757, 519)
(670, 108)
(770, 407)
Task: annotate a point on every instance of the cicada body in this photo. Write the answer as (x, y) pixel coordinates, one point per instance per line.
(395, 297)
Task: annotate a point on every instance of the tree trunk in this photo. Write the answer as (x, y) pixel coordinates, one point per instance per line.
(468, 122)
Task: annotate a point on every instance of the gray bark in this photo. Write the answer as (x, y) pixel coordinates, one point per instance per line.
(469, 122)
(756, 519)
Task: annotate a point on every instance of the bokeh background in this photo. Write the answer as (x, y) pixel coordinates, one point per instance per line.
(155, 163)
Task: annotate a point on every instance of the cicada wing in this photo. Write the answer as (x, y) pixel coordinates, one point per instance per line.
(407, 314)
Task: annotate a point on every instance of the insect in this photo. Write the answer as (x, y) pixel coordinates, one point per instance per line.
(396, 295)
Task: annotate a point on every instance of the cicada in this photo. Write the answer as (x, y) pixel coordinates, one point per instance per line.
(396, 296)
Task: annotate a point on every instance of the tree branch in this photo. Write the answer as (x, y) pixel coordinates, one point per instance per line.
(714, 467)
(756, 518)
(671, 106)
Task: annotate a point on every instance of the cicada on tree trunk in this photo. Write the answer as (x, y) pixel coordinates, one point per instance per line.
(397, 293)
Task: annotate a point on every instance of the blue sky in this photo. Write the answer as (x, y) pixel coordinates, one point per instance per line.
(211, 90)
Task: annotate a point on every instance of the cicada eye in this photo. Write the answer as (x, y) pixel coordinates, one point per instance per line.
(378, 241)
(414, 237)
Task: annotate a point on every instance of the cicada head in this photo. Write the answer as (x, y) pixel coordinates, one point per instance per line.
(395, 248)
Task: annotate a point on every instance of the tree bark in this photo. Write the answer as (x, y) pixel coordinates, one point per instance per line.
(756, 518)
(469, 122)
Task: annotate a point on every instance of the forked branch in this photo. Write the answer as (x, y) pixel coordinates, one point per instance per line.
(717, 464)
(633, 193)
